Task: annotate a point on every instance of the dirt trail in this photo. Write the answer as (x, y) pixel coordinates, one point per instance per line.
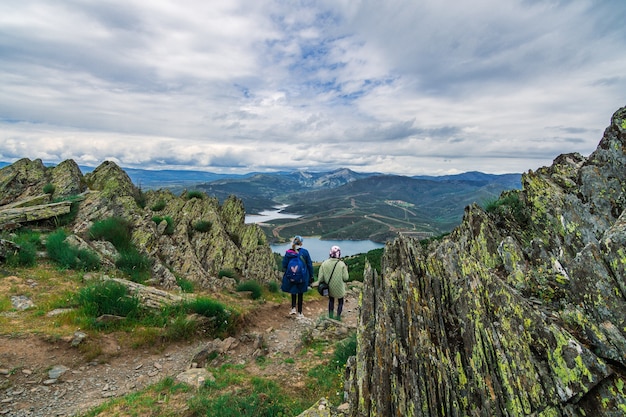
(27, 389)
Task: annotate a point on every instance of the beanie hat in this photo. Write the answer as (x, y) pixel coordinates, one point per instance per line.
(335, 252)
(297, 241)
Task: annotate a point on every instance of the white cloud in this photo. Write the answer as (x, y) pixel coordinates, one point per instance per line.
(427, 87)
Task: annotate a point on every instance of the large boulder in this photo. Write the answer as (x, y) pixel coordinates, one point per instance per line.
(519, 311)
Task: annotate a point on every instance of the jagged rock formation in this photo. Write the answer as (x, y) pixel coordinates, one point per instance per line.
(520, 311)
(224, 243)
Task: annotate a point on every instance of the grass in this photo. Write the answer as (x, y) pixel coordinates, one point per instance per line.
(202, 226)
(116, 230)
(158, 206)
(194, 194)
(253, 286)
(28, 242)
(169, 229)
(69, 257)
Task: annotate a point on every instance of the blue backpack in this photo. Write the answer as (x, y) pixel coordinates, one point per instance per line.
(296, 270)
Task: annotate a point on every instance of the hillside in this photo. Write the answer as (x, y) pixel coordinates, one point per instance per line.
(367, 206)
(520, 311)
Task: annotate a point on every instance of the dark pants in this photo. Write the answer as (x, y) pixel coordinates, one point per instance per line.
(300, 297)
(331, 306)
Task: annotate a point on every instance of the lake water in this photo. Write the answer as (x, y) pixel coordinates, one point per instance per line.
(318, 249)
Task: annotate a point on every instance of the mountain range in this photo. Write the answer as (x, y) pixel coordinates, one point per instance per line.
(341, 204)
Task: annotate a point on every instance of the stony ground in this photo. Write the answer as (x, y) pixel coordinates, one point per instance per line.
(42, 377)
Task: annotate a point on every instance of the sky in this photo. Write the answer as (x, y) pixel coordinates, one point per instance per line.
(408, 87)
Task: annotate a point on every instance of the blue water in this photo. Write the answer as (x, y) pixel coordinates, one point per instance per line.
(319, 249)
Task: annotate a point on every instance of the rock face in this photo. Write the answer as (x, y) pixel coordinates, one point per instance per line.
(521, 310)
(190, 237)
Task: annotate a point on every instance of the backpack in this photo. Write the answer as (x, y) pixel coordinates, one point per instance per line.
(296, 270)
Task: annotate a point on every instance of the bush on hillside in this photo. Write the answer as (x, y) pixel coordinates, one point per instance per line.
(116, 230)
(68, 256)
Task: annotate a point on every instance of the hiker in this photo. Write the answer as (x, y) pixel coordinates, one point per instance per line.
(298, 275)
(334, 272)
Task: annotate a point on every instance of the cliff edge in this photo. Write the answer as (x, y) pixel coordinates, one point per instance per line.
(521, 310)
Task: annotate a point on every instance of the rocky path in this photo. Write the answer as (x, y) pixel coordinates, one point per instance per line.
(41, 377)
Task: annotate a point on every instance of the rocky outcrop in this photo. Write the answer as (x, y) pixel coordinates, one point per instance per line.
(521, 310)
(189, 237)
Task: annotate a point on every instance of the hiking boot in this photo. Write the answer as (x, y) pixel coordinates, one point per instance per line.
(292, 312)
(300, 316)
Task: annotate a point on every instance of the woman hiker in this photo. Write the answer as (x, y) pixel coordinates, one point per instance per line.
(298, 275)
(334, 272)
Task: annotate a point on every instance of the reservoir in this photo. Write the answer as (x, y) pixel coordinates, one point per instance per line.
(318, 249)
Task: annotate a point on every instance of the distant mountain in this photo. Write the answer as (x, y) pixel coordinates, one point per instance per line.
(263, 191)
(341, 204)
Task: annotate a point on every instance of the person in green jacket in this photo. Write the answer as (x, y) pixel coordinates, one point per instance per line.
(334, 272)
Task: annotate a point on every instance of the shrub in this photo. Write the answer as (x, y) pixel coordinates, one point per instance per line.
(226, 273)
(224, 321)
(273, 286)
(202, 226)
(263, 398)
(68, 256)
(194, 194)
(343, 350)
(136, 265)
(158, 206)
(26, 255)
(113, 229)
(252, 286)
(169, 229)
(509, 204)
(48, 189)
(108, 297)
(180, 328)
(185, 285)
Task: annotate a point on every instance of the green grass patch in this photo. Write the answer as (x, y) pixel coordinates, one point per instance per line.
(185, 285)
(108, 297)
(253, 286)
(202, 226)
(169, 229)
(233, 394)
(48, 189)
(116, 230)
(194, 194)
(136, 265)
(26, 255)
(67, 256)
(158, 206)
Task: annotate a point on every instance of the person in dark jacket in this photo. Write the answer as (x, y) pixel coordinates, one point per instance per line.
(297, 290)
(334, 272)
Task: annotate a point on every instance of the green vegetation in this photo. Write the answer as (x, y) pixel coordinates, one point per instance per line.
(107, 297)
(70, 257)
(48, 189)
(194, 194)
(202, 226)
(509, 204)
(234, 394)
(113, 229)
(169, 229)
(158, 206)
(185, 285)
(253, 286)
(118, 231)
(273, 286)
(28, 243)
(136, 265)
(356, 263)
(229, 273)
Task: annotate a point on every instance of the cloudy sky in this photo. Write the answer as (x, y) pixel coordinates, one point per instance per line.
(396, 86)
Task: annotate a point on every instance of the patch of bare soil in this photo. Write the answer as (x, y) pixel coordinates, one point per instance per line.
(44, 377)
